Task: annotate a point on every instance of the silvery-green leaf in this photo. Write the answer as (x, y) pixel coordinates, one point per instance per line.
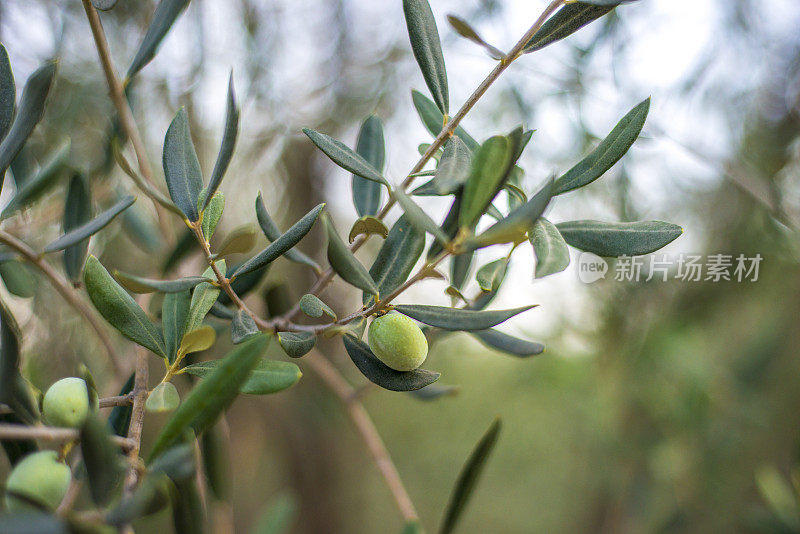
(137, 284)
(397, 257)
(508, 344)
(101, 458)
(272, 233)
(79, 233)
(104, 5)
(164, 17)
(297, 344)
(379, 373)
(491, 275)
(567, 20)
(312, 306)
(458, 318)
(8, 93)
(212, 214)
(433, 120)
(490, 167)
(607, 153)
(459, 269)
(240, 241)
(434, 391)
(18, 278)
(619, 239)
(344, 157)
(345, 264)
(77, 211)
(181, 167)
(242, 327)
(552, 254)
(197, 340)
(267, 376)
(466, 31)
(174, 311)
(370, 146)
(417, 217)
(35, 187)
(227, 146)
(203, 297)
(454, 167)
(427, 49)
(163, 398)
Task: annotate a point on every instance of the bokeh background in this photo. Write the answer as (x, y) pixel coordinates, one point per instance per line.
(657, 407)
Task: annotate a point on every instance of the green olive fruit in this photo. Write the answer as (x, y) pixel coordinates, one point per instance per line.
(39, 477)
(66, 403)
(397, 341)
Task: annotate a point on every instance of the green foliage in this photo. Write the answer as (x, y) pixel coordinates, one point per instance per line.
(88, 229)
(427, 50)
(344, 157)
(466, 31)
(619, 239)
(381, 374)
(38, 185)
(77, 211)
(272, 233)
(397, 257)
(137, 284)
(163, 398)
(569, 19)
(297, 344)
(312, 306)
(227, 146)
(181, 167)
(508, 344)
(552, 254)
(457, 318)
(267, 376)
(104, 469)
(367, 226)
(370, 146)
(345, 264)
(164, 17)
(242, 327)
(418, 218)
(8, 93)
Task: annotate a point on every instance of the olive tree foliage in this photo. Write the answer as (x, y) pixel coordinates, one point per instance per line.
(489, 206)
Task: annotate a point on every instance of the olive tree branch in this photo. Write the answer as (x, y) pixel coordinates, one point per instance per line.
(139, 395)
(16, 432)
(106, 402)
(67, 291)
(325, 279)
(363, 423)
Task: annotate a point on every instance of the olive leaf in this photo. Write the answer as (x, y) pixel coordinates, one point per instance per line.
(619, 239)
(104, 5)
(137, 284)
(119, 309)
(453, 169)
(104, 469)
(370, 146)
(397, 257)
(466, 31)
(569, 19)
(164, 17)
(367, 226)
(344, 157)
(14, 391)
(242, 327)
(267, 376)
(163, 398)
(490, 169)
(8, 93)
(35, 187)
(607, 153)
(272, 233)
(18, 278)
(212, 214)
(79, 233)
(212, 396)
(459, 269)
(197, 340)
(312, 306)
(279, 246)
(427, 49)
(491, 275)
(28, 114)
(417, 217)
(181, 166)
(434, 391)
(244, 284)
(240, 241)
(433, 120)
(458, 318)
(508, 344)
(119, 419)
(203, 297)
(174, 312)
(227, 145)
(297, 344)
(77, 211)
(552, 254)
(468, 477)
(379, 373)
(345, 264)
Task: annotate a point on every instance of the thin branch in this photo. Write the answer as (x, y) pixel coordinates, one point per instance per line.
(137, 417)
(16, 432)
(107, 402)
(68, 292)
(363, 423)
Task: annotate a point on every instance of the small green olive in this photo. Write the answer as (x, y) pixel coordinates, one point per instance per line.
(39, 477)
(397, 341)
(66, 403)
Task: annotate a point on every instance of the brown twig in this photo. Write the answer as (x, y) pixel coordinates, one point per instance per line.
(363, 423)
(107, 402)
(137, 417)
(15, 432)
(68, 292)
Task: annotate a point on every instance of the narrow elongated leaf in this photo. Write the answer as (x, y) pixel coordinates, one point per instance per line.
(29, 113)
(433, 120)
(216, 462)
(137, 284)
(488, 173)
(427, 50)
(367, 226)
(345, 264)
(569, 19)
(370, 146)
(18, 278)
(268, 376)
(119, 309)
(272, 233)
(14, 391)
(285, 242)
(344, 157)
(508, 344)
(212, 396)
(240, 241)
(397, 256)
(8, 93)
(101, 459)
(79, 233)
(434, 391)
(163, 398)
(174, 311)
(468, 478)
(197, 340)
(35, 187)
(181, 167)
(514, 227)
(244, 284)
(104, 5)
(466, 31)
(212, 214)
(607, 153)
(459, 269)
(227, 146)
(417, 217)
(312, 306)
(552, 254)
(242, 327)
(297, 344)
(449, 227)
(203, 297)
(458, 318)
(77, 211)
(119, 419)
(619, 239)
(454, 167)
(164, 17)
(379, 373)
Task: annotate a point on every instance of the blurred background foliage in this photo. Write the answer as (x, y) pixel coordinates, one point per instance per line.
(655, 404)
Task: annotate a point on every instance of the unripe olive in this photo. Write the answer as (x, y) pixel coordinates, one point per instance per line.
(397, 341)
(66, 403)
(41, 478)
